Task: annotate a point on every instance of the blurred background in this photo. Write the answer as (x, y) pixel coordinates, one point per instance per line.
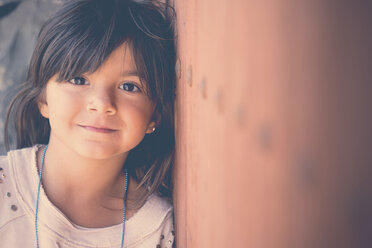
(20, 22)
(273, 120)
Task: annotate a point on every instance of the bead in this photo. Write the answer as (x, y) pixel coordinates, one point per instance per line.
(3, 175)
(170, 241)
(162, 236)
(8, 194)
(14, 207)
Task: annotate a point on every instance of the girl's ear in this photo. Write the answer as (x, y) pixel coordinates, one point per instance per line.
(151, 127)
(155, 121)
(43, 108)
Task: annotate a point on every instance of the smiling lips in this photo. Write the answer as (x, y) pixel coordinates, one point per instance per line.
(98, 129)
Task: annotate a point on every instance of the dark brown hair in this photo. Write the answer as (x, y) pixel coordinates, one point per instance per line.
(77, 40)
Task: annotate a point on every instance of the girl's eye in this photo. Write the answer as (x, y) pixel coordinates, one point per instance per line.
(78, 81)
(131, 87)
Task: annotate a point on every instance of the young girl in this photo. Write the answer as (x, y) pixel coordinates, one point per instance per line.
(94, 131)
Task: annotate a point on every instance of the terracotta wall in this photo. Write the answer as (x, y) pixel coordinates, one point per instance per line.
(273, 124)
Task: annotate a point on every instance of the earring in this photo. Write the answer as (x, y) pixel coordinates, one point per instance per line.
(153, 129)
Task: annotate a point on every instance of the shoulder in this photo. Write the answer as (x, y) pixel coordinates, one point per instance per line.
(6, 184)
(9, 204)
(3, 161)
(160, 204)
(157, 211)
(153, 224)
(15, 179)
(22, 155)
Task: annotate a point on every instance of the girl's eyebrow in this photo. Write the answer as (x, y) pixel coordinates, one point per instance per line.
(130, 73)
(134, 73)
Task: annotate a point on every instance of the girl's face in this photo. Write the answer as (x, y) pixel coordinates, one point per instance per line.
(102, 114)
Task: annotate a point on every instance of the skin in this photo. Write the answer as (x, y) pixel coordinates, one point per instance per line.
(96, 119)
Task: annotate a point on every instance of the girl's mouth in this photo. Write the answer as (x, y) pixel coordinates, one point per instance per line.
(98, 129)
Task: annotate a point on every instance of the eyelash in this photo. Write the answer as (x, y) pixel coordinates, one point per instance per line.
(132, 86)
(72, 81)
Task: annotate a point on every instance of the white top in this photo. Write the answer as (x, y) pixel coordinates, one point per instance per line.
(151, 226)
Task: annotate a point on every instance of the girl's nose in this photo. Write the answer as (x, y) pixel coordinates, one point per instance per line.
(102, 102)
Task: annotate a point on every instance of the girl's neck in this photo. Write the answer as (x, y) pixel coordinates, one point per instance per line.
(68, 174)
(89, 192)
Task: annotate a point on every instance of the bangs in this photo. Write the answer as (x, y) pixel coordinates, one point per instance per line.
(79, 38)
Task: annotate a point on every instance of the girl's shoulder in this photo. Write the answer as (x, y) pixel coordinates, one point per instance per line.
(157, 205)
(10, 204)
(20, 156)
(154, 222)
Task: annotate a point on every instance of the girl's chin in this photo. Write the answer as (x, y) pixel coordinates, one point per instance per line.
(99, 152)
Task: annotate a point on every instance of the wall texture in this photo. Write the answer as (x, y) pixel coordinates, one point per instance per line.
(273, 119)
(273, 124)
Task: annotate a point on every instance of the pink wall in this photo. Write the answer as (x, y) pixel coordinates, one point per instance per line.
(273, 124)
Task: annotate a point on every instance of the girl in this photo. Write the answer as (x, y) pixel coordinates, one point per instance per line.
(99, 96)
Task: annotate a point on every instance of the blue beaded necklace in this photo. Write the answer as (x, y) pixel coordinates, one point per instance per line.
(38, 194)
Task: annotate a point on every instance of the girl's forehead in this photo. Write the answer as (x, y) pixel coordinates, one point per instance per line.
(120, 64)
(121, 59)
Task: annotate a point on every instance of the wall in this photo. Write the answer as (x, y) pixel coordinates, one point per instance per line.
(273, 124)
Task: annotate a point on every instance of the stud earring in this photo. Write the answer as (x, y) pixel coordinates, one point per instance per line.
(153, 129)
